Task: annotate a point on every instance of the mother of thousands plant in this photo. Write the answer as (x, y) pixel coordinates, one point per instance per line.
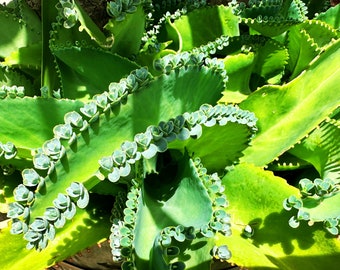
(184, 132)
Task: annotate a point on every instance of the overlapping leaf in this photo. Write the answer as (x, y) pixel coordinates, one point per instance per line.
(287, 113)
(273, 245)
(33, 120)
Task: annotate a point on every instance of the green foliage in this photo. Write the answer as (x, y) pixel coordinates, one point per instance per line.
(177, 111)
(272, 245)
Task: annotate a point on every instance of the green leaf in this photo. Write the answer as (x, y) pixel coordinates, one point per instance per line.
(321, 32)
(25, 57)
(321, 209)
(239, 65)
(16, 34)
(7, 185)
(255, 198)
(89, 26)
(305, 42)
(321, 148)
(28, 122)
(10, 76)
(75, 236)
(29, 16)
(252, 61)
(112, 128)
(273, 18)
(287, 113)
(270, 62)
(193, 30)
(331, 16)
(218, 146)
(302, 50)
(82, 77)
(161, 205)
(49, 75)
(127, 34)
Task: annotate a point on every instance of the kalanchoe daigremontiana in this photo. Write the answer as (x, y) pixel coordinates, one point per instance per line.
(90, 110)
(292, 202)
(315, 192)
(23, 195)
(173, 61)
(12, 91)
(149, 39)
(68, 13)
(221, 253)
(42, 161)
(79, 193)
(90, 130)
(156, 138)
(332, 225)
(75, 120)
(123, 222)
(119, 8)
(170, 237)
(31, 178)
(39, 233)
(18, 211)
(270, 18)
(42, 229)
(54, 149)
(63, 131)
(213, 46)
(8, 150)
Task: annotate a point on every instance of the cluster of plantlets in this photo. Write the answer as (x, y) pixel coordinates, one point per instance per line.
(181, 123)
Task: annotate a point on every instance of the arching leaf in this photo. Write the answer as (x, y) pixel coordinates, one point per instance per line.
(28, 122)
(111, 129)
(256, 198)
(160, 207)
(75, 63)
(191, 30)
(287, 113)
(16, 34)
(95, 218)
(321, 149)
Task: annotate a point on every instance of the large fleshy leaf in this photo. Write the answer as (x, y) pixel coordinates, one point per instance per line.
(76, 63)
(89, 26)
(331, 16)
(287, 113)
(10, 76)
(305, 41)
(7, 185)
(17, 33)
(272, 18)
(28, 122)
(247, 71)
(302, 50)
(322, 33)
(271, 59)
(24, 44)
(168, 98)
(25, 57)
(49, 75)
(87, 228)
(238, 65)
(192, 30)
(218, 146)
(175, 196)
(321, 148)
(127, 33)
(321, 209)
(255, 198)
